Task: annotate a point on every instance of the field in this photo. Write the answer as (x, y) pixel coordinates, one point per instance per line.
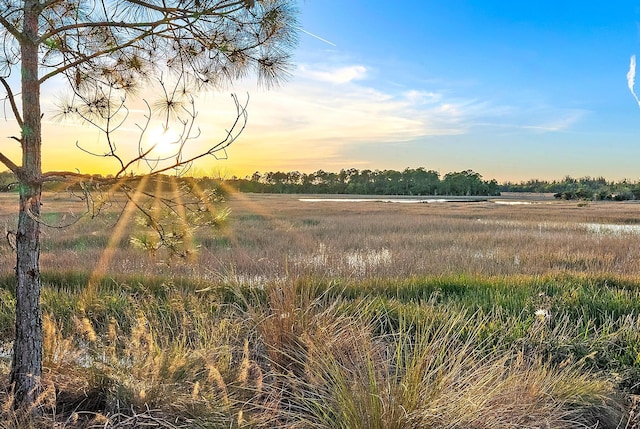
(516, 312)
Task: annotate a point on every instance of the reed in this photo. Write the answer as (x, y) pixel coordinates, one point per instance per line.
(366, 315)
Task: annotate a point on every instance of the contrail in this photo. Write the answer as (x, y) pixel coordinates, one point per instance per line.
(631, 78)
(315, 36)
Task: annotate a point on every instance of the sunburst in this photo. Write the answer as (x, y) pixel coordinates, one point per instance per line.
(117, 233)
(164, 141)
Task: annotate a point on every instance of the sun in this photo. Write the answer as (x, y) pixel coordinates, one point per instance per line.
(165, 142)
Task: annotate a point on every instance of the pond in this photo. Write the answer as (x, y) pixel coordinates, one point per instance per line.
(399, 199)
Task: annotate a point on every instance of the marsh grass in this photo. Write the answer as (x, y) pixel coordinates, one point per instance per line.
(303, 354)
(370, 316)
(269, 236)
(334, 367)
(437, 379)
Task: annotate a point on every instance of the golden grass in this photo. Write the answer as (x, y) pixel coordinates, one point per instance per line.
(262, 336)
(269, 237)
(291, 355)
(335, 370)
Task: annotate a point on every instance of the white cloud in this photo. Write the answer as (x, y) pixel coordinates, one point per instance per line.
(631, 78)
(338, 75)
(326, 112)
(309, 121)
(422, 97)
(564, 121)
(538, 119)
(338, 116)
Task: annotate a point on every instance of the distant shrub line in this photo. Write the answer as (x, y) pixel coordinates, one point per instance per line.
(585, 188)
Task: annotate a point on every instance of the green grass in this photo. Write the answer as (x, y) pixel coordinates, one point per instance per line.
(445, 351)
(362, 317)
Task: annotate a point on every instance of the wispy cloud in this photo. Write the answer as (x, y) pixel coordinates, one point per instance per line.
(564, 120)
(339, 75)
(353, 113)
(329, 112)
(422, 97)
(631, 78)
(326, 111)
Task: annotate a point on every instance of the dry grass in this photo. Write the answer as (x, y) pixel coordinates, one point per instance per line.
(341, 315)
(274, 234)
(294, 355)
(269, 237)
(331, 366)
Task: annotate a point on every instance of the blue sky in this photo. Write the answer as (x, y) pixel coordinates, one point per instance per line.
(511, 89)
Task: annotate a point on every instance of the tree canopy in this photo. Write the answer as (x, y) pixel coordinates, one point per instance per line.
(411, 181)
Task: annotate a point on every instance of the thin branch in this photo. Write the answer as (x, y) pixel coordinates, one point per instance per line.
(57, 175)
(11, 28)
(87, 151)
(76, 219)
(141, 26)
(10, 165)
(232, 134)
(45, 5)
(12, 101)
(231, 7)
(140, 157)
(11, 238)
(97, 54)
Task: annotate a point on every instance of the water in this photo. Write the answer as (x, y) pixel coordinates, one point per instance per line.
(400, 200)
(612, 229)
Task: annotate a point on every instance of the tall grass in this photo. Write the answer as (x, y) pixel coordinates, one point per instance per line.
(379, 316)
(268, 237)
(334, 367)
(303, 354)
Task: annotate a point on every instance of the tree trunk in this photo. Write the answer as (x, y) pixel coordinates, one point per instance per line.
(26, 369)
(27, 348)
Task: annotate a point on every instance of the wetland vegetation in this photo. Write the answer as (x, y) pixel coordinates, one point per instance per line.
(510, 312)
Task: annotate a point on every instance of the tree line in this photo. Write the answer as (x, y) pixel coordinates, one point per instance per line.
(584, 188)
(418, 181)
(410, 181)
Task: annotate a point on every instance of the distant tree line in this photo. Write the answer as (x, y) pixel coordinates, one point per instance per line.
(418, 181)
(410, 181)
(585, 188)
(96, 182)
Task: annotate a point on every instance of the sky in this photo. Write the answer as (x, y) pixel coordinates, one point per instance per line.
(514, 90)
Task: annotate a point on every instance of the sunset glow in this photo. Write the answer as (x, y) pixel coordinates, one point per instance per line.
(512, 90)
(162, 142)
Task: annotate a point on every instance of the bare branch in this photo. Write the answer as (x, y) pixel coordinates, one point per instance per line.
(11, 237)
(9, 164)
(140, 157)
(11, 28)
(12, 101)
(232, 134)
